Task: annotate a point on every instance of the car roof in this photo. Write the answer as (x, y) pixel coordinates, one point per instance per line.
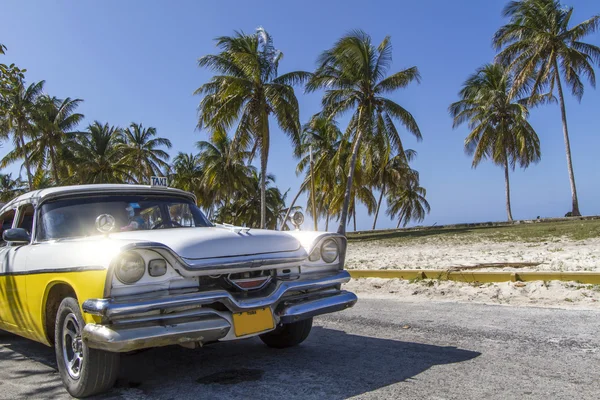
(37, 196)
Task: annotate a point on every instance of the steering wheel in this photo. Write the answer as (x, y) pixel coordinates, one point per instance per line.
(172, 224)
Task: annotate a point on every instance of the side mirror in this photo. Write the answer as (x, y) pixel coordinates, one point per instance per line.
(16, 235)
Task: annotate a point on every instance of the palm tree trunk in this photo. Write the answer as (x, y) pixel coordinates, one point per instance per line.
(507, 184)
(344, 216)
(312, 192)
(327, 221)
(399, 220)
(264, 156)
(54, 167)
(25, 158)
(263, 192)
(575, 202)
(321, 206)
(354, 217)
(378, 205)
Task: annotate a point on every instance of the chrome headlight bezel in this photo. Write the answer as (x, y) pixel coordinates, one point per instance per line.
(329, 250)
(129, 267)
(315, 255)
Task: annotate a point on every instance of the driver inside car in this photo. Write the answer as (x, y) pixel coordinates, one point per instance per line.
(136, 221)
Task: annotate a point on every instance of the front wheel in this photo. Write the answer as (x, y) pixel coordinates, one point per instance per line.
(84, 371)
(288, 335)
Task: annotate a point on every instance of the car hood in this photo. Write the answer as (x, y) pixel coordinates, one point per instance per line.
(215, 242)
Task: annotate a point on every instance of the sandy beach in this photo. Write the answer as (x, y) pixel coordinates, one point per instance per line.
(571, 246)
(555, 254)
(541, 294)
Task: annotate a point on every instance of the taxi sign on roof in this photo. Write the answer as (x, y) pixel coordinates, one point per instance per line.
(159, 181)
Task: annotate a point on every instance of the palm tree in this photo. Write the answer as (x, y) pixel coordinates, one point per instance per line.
(10, 77)
(243, 210)
(19, 105)
(361, 187)
(392, 171)
(42, 179)
(141, 148)
(186, 173)
(225, 172)
(10, 188)
(54, 120)
(98, 155)
(498, 123)
(246, 92)
(324, 137)
(353, 72)
(408, 203)
(538, 43)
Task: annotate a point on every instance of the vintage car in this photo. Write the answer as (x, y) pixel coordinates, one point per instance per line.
(99, 270)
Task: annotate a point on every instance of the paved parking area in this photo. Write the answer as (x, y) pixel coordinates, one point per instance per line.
(379, 349)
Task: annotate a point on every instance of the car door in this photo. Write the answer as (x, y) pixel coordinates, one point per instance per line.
(6, 222)
(14, 311)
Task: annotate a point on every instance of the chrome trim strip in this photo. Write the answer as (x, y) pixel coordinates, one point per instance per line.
(254, 263)
(218, 265)
(311, 308)
(112, 308)
(197, 313)
(116, 339)
(53, 271)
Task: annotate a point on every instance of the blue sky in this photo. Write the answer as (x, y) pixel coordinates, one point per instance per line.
(136, 61)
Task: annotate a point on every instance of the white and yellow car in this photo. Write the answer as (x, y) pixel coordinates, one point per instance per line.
(98, 270)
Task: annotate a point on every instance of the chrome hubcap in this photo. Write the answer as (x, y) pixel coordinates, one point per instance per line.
(72, 346)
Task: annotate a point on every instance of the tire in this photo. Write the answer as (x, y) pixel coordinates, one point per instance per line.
(288, 335)
(94, 371)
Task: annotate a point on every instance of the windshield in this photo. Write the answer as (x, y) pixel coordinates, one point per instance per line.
(70, 218)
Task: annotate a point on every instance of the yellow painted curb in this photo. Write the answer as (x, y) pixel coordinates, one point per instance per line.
(478, 276)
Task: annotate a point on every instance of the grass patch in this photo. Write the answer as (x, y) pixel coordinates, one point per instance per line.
(528, 232)
(416, 279)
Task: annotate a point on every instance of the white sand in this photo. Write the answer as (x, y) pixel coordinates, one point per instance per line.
(554, 294)
(440, 253)
(451, 251)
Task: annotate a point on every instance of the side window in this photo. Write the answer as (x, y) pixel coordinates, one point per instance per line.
(181, 214)
(6, 220)
(26, 217)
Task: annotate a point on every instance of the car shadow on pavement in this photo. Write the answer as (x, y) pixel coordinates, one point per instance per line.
(330, 364)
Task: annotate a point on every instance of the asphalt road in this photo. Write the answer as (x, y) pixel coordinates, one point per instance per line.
(379, 349)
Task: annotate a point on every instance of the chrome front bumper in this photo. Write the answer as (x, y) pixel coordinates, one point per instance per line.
(162, 319)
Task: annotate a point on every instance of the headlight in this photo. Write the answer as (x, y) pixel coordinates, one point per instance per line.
(297, 219)
(157, 267)
(330, 250)
(130, 268)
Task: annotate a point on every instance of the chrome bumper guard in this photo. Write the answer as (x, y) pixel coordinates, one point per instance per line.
(162, 319)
